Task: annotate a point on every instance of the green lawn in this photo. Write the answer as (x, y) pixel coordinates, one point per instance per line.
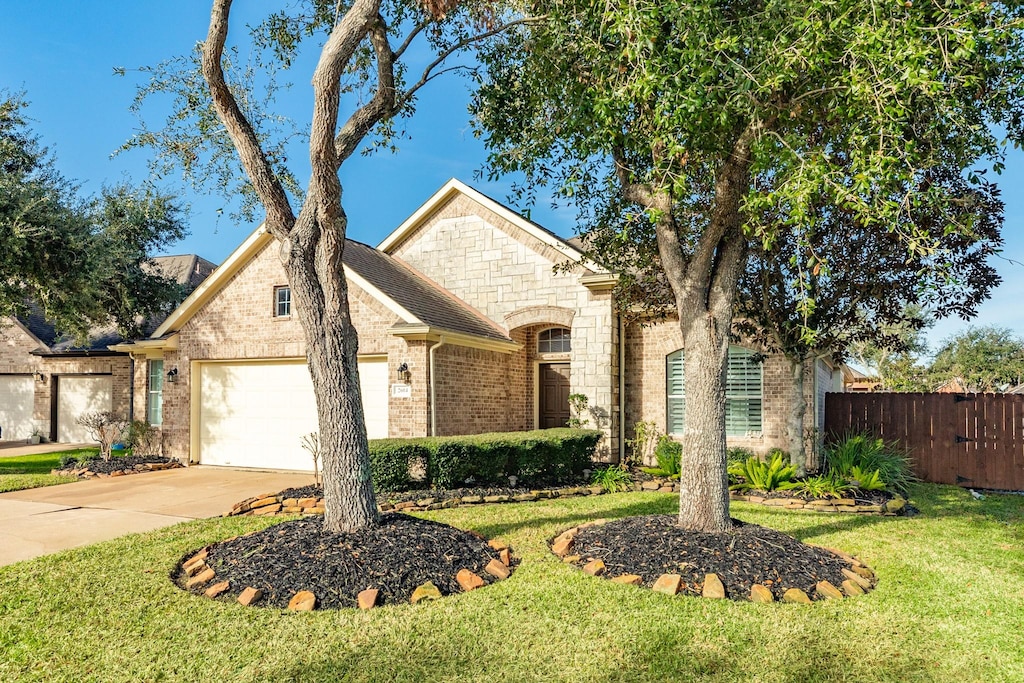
(31, 471)
(949, 607)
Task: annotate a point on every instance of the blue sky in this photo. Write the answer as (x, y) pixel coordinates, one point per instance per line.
(63, 55)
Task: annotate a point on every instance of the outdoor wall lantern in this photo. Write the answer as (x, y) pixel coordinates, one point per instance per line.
(403, 372)
(40, 377)
(172, 375)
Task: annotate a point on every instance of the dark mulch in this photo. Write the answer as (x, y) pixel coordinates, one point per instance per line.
(99, 466)
(654, 545)
(396, 557)
(863, 497)
(438, 495)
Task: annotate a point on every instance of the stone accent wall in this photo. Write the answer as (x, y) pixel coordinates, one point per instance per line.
(508, 275)
(648, 346)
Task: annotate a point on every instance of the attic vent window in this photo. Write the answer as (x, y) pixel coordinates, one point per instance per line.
(554, 340)
(282, 302)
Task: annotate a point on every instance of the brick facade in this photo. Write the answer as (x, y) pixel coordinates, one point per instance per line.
(16, 358)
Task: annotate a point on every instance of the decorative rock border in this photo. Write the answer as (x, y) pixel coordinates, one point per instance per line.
(274, 503)
(891, 508)
(196, 573)
(86, 473)
(860, 579)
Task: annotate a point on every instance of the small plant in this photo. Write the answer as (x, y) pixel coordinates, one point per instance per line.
(870, 453)
(143, 438)
(866, 480)
(612, 479)
(822, 486)
(771, 475)
(105, 427)
(66, 461)
(578, 404)
(642, 445)
(738, 455)
(778, 452)
(311, 442)
(669, 453)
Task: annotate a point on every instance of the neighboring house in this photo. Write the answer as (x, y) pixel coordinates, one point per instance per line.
(47, 381)
(465, 326)
(856, 381)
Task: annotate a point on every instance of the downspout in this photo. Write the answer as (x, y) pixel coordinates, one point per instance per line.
(433, 386)
(131, 388)
(622, 389)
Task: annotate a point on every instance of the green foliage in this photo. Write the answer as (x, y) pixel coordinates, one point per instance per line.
(578, 404)
(982, 358)
(645, 436)
(866, 480)
(612, 479)
(669, 454)
(864, 453)
(536, 457)
(779, 453)
(759, 475)
(143, 438)
(822, 486)
(738, 455)
(82, 261)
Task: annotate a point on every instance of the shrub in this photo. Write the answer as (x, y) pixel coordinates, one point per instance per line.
(143, 438)
(105, 427)
(870, 453)
(67, 460)
(393, 460)
(778, 452)
(669, 453)
(822, 486)
(738, 455)
(612, 479)
(645, 436)
(771, 475)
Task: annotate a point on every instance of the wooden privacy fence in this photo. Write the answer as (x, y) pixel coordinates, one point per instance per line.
(974, 440)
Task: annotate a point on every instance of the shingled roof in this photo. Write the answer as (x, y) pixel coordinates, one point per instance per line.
(422, 298)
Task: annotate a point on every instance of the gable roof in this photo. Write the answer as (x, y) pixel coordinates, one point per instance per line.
(420, 305)
(188, 270)
(455, 187)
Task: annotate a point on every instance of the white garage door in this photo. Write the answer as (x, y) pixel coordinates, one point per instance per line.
(17, 394)
(77, 396)
(255, 414)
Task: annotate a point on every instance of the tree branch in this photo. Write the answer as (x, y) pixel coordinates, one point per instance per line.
(280, 217)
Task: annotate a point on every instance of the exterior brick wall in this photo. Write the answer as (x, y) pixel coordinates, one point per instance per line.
(473, 391)
(647, 348)
(16, 358)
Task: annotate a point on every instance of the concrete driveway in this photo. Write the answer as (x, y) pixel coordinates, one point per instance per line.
(46, 520)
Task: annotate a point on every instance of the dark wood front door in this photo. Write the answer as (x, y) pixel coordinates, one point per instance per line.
(554, 395)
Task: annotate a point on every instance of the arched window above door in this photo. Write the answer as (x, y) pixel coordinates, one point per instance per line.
(554, 340)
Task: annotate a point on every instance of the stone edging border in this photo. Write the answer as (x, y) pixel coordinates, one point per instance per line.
(85, 473)
(274, 503)
(196, 574)
(860, 579)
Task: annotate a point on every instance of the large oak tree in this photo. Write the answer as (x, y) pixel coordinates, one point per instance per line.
(363, 81)
(699, 120)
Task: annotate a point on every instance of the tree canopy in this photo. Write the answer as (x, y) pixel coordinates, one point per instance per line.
(717, 127)
(989, 358)
(84, 262)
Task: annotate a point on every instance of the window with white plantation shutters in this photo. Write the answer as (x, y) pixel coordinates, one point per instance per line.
(743, 400)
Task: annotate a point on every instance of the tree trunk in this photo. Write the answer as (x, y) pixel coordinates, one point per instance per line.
(331, 351)
(795, 420)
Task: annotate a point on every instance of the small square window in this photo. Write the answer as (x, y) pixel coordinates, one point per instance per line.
(282, 302)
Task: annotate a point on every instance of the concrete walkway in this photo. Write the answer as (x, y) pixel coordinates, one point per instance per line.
(46, 520)
(10, 449)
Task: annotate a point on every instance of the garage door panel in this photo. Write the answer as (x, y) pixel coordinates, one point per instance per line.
(77, 396)
(255, 414)
(17, 396)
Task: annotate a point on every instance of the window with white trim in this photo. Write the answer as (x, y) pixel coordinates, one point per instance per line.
(282, 302)
(155, 399)
(743, 389)
(554, 340)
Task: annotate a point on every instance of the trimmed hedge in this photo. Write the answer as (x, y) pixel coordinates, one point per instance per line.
(537, 457)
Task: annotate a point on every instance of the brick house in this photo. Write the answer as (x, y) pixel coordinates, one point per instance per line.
(465, 326)
(47, 381)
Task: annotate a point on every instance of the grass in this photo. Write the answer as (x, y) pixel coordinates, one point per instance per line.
(949, 606)
(32, 471)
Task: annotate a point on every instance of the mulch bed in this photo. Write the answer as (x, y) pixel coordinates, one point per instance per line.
(100, 466)
(439, 495)
(398, 556)
(654, 545)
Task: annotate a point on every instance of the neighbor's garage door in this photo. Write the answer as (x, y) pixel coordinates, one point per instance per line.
(255, 414)
(77, 396)
(17, 393)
